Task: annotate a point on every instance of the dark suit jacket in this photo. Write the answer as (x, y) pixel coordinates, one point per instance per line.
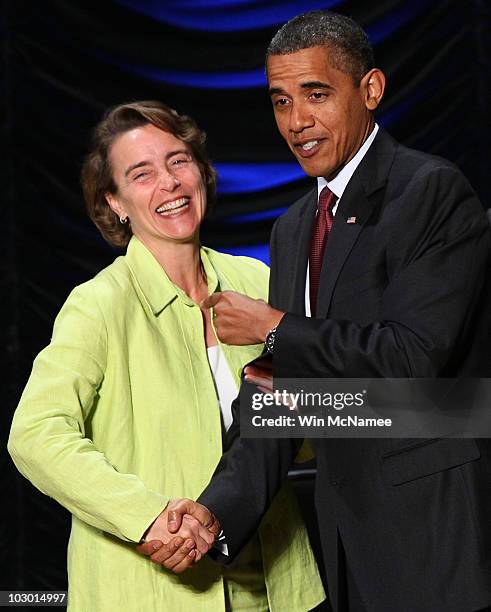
(400, 292)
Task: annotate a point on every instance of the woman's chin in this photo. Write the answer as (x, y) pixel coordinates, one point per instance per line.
(181, 236)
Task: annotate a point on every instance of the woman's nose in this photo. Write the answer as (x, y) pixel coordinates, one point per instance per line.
(168, 180)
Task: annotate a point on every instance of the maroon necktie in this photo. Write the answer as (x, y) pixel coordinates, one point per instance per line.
(322, 227)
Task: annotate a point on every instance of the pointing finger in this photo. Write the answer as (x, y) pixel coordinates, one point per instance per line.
(211, 300)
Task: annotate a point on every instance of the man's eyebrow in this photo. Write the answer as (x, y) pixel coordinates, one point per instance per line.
(316, 85)
(306, 85)
(134, 166)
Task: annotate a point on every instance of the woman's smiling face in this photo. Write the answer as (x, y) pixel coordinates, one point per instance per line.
(159, 185)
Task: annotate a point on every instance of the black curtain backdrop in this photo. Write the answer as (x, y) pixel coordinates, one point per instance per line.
(64, 62)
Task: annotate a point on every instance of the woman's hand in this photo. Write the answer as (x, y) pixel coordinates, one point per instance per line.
(176, 556)
(179, 551)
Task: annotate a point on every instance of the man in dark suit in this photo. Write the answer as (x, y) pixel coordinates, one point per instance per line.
(377, 272)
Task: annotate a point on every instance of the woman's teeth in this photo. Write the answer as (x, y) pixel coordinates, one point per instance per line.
(171, 208)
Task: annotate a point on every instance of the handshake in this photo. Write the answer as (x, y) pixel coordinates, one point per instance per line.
(180, 535)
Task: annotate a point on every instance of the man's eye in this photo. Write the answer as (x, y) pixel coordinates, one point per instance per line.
(318, 95)
(281, 102)
(140, 176)
(179, 161)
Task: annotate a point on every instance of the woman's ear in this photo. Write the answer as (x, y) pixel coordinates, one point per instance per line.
(116, 207)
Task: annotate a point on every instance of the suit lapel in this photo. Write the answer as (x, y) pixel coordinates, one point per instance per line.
(363, 194)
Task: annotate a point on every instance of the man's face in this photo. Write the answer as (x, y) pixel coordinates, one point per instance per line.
(320, 112)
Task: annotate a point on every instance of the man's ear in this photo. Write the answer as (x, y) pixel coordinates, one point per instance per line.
(373, 86)
(114, 204)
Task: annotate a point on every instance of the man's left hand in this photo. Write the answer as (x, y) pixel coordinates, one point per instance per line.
(241, 320)
(260, 374)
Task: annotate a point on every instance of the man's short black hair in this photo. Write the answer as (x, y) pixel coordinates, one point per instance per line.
(347, 43)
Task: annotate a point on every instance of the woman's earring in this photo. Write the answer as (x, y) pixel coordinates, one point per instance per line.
(123, 220)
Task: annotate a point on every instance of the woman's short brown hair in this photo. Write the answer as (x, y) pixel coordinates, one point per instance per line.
(97, 178)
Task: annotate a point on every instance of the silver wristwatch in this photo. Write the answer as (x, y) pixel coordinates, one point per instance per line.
(270, 338)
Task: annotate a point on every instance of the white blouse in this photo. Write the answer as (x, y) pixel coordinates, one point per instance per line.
(224, 383)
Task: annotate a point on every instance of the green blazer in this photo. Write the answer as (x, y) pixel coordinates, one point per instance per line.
(120, 414)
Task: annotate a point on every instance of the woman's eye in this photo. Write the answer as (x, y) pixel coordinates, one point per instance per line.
(141, 176)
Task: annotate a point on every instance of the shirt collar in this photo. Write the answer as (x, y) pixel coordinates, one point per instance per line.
(338, 184)
(157, 288)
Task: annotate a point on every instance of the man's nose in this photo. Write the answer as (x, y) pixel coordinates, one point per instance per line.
(300, 118)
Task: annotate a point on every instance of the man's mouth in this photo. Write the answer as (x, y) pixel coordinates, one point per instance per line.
(309, 145)
(308, 148)
(173, 208)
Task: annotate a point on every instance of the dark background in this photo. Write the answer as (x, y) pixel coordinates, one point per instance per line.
(64, 62)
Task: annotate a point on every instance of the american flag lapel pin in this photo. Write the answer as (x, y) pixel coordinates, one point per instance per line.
(351, 220)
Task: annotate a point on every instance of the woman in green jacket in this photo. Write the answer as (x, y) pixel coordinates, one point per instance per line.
(126, 407)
